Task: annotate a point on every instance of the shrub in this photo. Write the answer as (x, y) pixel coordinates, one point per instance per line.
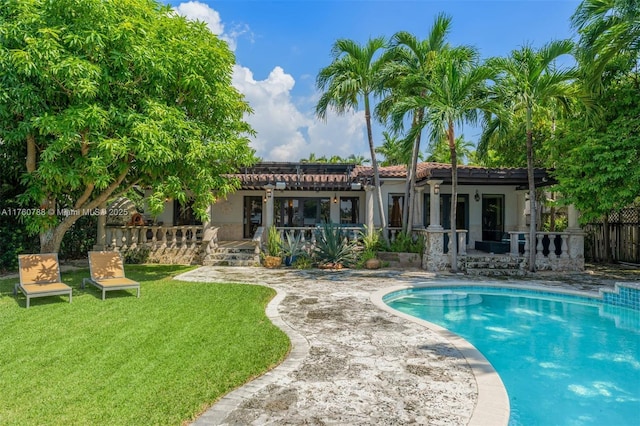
(303, 261)
(371, 240)
(333, 247)
(406, 243)
(274, 242)
(137, 255)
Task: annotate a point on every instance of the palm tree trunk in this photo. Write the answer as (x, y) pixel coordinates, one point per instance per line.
(532, 195)
(411, 178)
(376, 173)
(453, 253)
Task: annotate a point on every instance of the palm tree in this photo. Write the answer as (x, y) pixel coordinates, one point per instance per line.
(454, 94)
(393, 150)
(357, 160)
(607, 29)
(440, 153)
(353, 76)
(409, 64)
(528, 84)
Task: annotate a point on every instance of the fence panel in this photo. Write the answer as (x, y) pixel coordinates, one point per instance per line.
(624, 237)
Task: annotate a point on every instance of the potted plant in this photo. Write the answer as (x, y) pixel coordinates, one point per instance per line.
(369, 256)
(273, 256)
(292, 247)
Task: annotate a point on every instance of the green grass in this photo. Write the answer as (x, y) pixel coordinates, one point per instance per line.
(160, 359)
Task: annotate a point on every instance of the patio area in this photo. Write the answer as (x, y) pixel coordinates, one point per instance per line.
(353, 363)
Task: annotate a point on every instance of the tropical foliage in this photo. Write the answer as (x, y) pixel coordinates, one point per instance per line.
(333, 247)
(101, 96)
(351, 78)
(531, 85)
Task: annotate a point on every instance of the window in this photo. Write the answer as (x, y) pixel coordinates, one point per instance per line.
(394, 207)
(183, 214)
(349, 210)
(298, 212)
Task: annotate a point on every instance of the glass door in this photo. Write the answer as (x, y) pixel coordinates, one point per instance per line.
(492, 217)
(252, 216)
(462, 215)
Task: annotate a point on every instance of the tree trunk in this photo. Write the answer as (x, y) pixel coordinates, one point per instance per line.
(532, 195)
(453, 253)
(31, 153)
(376, 173)
(411, 177)
(53, 237)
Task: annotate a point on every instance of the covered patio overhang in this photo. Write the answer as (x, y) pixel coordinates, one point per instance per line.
(470, 175)
(301, 177)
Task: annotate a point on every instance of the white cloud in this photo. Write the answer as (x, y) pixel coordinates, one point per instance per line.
(284, 132)
(196, 11)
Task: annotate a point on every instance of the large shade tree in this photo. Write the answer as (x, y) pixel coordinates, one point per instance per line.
(530, 83)
(351, 78)
(98, 96)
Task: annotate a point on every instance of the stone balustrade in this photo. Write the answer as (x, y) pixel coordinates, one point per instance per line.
(122, 238)
(556, 251)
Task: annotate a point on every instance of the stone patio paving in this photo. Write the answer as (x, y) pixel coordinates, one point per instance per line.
(352, 362)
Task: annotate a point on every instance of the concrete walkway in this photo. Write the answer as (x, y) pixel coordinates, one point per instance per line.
(354, 362)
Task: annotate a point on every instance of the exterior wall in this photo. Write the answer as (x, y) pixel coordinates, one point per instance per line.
(228, 214)
(389, 186)
(475, 207)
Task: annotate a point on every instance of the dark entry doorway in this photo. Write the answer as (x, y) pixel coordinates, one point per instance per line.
(252, 216)
(492, 217)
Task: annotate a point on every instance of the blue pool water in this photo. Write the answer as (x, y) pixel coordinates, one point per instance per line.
(564, 360)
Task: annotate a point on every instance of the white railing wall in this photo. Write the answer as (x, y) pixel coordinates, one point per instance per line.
(557, 251)
(154, 236)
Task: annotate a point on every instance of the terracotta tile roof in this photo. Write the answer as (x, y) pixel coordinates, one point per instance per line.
(333, 177)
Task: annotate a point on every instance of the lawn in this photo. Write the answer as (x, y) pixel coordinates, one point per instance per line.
(160, 359)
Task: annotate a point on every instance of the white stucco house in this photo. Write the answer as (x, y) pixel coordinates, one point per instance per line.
(492, 213)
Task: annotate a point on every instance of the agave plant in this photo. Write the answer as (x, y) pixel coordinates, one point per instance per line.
(333, 247)
(292, 247)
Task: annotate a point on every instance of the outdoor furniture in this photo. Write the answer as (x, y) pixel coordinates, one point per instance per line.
(40, 276)
(107, 272)
(496, 247)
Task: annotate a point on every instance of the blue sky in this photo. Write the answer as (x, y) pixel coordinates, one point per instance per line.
(281, 45)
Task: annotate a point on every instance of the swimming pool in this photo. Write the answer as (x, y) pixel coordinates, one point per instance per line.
(564, 359)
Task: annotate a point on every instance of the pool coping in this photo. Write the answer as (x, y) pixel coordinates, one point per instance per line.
(492, 406)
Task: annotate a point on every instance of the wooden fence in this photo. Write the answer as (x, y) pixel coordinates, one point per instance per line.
(622, 230)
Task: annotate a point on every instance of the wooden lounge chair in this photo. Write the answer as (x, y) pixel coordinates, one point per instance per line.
(40, 276)
(107, 272)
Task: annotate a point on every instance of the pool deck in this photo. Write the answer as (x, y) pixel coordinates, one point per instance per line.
(355, 361)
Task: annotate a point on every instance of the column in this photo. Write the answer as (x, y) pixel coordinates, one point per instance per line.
(434, 204)
(268, 217)
(522, 217)
(368, 210)
(572, 218)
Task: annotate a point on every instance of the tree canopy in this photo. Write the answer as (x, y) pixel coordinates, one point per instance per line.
(600, 169)
(100, 96)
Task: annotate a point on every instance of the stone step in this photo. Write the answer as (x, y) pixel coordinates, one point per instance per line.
(234, 256)
(234, 250)
(492, 272)
(489, 265)
(231, 262)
